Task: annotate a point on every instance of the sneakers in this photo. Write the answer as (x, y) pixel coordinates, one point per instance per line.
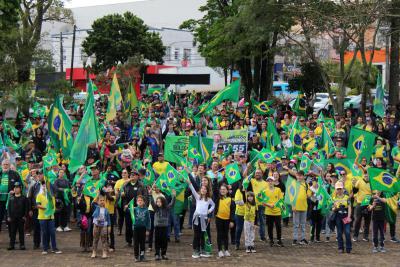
(271, 243)
(294, 243)
(195, 255)
(253, 250)
(104, 255)
(341, 251)
(327, 239)
(67, 229)
(248, 250)
(227, 254)
(375, 250)
(382, 249)
(355, 239)
(394, 240)
(317, 240)
(280, 244)
(10, 248)
(158, 258)
(59, 229)
(44, 252)
(365, 239)
(303, 242)
(93, 255)
(221, 254)
(56, 251)
(164, 257)
(205, 254)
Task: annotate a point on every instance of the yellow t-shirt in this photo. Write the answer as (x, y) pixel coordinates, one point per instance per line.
(118, 185)
(363, 190)
(338, 201)
(258, 186)
(110, 205)
(304, 192)
(224, 208)
(160, 167)
(348, 185)
(41, 199)
(250, 212)
(274, 196)
(239, 208)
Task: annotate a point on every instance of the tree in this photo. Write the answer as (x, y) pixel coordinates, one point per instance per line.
(24, 40)
(116, 38)
(394, 13)
(310, 81)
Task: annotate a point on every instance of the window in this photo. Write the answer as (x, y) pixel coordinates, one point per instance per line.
(186, 54)
(176, 54)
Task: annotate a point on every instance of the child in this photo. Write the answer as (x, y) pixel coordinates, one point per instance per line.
(249, 219)
(110, 205)
(239, 214)
(161, 215)
(101, 225)
(204, 207)
(16, 214)
(315, 215)
(141, 227)
(272, 212)
(225, 212)
(378, 221)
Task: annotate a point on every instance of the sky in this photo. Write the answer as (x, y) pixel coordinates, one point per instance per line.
(81, 3)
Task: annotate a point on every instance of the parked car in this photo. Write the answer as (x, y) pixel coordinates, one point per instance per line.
(281, 90)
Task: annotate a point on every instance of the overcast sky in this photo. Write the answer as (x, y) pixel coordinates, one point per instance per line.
(80, 3)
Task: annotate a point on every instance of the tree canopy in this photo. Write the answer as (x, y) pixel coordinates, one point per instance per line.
(116, 38)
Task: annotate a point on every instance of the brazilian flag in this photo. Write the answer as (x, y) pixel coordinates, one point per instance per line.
(149, 177)
(92, 188)
(383, 181)
(305, 164)
(262, 108)
(324, 199)
(131, 207)
(391, 207)
(232, 173)
(292, 191)
(266, 155)
(328, 147)
(295, 137)
(361, 144)
(114, 99)
(262, 197)
(273, 138)
(299, 106)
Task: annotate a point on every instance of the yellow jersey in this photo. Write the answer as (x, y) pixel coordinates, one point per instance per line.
(42, 200)
(250, 212)
(160, 167)
(363, 190)
(258, 187)
(239, 208)
(224, 208)
(302, 195)
(274, 196)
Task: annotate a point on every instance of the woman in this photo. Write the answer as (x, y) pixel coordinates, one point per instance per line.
(39, 141)
(342, 217)
(62, 188)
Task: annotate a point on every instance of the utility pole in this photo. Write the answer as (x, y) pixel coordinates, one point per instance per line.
(61, 53)
(72, 57)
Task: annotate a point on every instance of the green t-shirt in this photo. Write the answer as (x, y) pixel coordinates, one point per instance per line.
(4, 187)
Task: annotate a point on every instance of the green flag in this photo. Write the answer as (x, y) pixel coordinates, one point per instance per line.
(292, 191)
(91, 88)
(193, 149)
(324, 199)
(149, 177)
(60, 126)
(391, 207)
(50, 159)
(383, 180)
(87, 134)
(206, 146)
(28, 126)
(266, 155)
(273, 138)
(299, 106)
(231, 92)
(232, 173)
(379, 106)
(131, 206)
(262, 197)
(246, 181)
(262, 108)
(361, 144)
(176, 145)
(114, 99)
(295, 137)
(8, 128)
(328, 147)
(285, 213)
(131, 101)
(92, 188)
(305, 164)
(366, 201)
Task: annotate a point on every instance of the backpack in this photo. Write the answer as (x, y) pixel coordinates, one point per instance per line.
(84, 223)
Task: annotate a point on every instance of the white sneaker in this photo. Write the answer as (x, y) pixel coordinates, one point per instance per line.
(248, 250)
(59, 229)
(227, 254)
(67, 229)
(221, 254)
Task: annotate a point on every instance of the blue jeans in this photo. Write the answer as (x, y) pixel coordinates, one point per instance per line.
(174, 221)
(261, 221)
(48, 234)
(340, 229)
(239, 221)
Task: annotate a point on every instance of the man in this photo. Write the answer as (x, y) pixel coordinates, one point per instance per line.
(131, 190)
(16, 215)
(361, 211)
(160, 165)
(36, 179)
(8, 178)
(300, 208)
(257, 185)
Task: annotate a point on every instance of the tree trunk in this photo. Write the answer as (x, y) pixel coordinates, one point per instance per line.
(257, 76)
(226, 76)
(394, 53)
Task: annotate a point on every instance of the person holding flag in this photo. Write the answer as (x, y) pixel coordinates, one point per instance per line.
(361, 210)
(250, 215)
(273, 212)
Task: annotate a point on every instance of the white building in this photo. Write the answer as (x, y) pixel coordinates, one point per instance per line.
(162, 16)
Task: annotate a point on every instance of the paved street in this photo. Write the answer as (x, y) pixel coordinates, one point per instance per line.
(322, 254)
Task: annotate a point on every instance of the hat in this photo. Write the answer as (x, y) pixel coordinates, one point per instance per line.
(17, 184)
(339, 185)
(270, 178)
(392, 116)
(284, 157)
(94, 165)
(18, 157)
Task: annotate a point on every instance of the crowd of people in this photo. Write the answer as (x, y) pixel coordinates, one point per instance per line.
(123, 204)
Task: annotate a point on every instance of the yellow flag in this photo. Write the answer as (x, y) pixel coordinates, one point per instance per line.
(114, 99)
